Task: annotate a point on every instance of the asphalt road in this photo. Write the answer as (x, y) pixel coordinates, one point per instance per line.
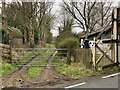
(108, 81)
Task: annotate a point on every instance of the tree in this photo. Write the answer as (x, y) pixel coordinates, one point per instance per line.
(65, 30)
(90, 16)
(66, 38)
(8, 30)
(31, 18)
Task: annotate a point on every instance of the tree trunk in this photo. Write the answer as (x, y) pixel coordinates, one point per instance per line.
(24, 38)
(43, 41)
(31, 33)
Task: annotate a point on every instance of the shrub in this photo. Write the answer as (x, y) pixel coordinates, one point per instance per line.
(69, 43)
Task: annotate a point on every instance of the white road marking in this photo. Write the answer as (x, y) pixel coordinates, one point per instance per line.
(111, 75)
(74, 85)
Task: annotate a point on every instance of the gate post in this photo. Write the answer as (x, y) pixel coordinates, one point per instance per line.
(115, 33)
(118, 33)
(10, 49)
(94, 54)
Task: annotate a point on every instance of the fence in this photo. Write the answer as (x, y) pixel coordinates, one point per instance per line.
(84, 56)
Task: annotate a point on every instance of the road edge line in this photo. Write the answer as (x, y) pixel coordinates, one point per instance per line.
(75, 85)
(115, 74)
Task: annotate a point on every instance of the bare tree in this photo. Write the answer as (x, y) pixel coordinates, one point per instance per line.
(90, 16)
(45, 19)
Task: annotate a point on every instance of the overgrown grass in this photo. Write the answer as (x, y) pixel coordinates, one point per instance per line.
(32, 54)
(28, 57)
(39, 65)
(78, 70)
(7, 68)
(75, 71)
(34, 71)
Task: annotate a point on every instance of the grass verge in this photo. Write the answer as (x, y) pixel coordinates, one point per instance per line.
(78, 70)
(74, 71)
(36, 69)
(7, 68)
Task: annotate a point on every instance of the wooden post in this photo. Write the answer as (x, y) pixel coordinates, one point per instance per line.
(82, 43)
(118, 33)
(0, 52)
(115, 34)
(94, 53)
(10, 49)
(112, 52)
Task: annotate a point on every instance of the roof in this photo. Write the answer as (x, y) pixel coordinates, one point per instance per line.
(108, 29)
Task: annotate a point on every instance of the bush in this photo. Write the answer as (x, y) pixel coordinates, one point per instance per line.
(69, 43)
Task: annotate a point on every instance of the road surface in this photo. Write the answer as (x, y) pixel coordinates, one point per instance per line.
(108, 81)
